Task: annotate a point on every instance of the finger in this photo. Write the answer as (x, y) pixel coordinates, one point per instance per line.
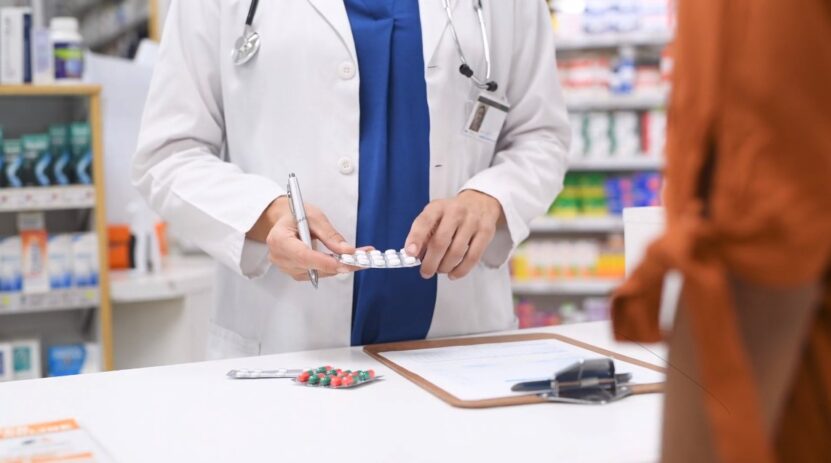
(303, 275)
(323, 230)
(422, 228)
(459, 247)
(304, 257)
(439, 243)
(292, 269)
(282, 232)
(478, 244)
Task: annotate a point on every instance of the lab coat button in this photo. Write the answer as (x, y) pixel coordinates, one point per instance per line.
(346, 70)
(345, 165)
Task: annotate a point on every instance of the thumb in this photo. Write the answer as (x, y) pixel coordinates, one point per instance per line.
(323, 230)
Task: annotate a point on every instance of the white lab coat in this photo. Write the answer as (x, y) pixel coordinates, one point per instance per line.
(218, 142)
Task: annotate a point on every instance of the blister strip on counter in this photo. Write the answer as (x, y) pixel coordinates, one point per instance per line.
(261, 374)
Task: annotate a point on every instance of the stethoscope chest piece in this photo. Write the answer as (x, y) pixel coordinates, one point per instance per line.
(246, 47)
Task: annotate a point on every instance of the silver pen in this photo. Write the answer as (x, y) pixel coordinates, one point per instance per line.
(299, 212)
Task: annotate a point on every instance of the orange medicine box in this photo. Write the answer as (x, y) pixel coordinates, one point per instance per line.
(34, 266)
(119, 238)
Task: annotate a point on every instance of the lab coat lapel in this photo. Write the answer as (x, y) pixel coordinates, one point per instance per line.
(434, 25)
(334, 12)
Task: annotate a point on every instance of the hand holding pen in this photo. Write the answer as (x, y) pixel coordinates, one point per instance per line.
(289, 253)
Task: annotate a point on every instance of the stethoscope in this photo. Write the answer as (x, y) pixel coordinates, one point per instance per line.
(465, 69)
(248, 44)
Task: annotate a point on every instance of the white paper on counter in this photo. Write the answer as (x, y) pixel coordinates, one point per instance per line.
(487, 371)
(51, 442)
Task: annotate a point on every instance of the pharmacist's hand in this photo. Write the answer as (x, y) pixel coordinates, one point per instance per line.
(451, 235)
(288, 252)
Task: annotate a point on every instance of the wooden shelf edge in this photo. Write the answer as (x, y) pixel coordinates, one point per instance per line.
(50, 90)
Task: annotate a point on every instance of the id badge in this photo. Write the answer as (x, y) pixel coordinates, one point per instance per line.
(487, 117)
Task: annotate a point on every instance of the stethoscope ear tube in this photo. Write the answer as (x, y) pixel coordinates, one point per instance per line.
(465, 69)
(252, 11)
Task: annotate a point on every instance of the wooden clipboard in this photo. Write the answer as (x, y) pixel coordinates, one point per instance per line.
(376, 351)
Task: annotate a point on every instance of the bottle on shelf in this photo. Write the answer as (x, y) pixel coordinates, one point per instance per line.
(68, 49)
(532, 314)
(569, 259)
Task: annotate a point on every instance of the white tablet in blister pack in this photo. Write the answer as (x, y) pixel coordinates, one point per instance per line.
(377, 259)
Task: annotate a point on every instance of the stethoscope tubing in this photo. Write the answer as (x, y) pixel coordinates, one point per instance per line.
(252, 12)
(465, 69)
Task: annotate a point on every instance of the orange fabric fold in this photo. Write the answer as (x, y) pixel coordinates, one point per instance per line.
(731, 396)
(804, 432)
(750, 92)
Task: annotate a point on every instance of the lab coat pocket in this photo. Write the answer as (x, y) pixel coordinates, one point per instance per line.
(477, 152)
(224, 343)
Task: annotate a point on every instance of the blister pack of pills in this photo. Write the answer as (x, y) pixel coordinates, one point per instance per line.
(335, 378)
(259, 374)
(377, 259)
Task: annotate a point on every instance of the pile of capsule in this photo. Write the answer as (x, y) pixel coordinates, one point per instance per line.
(377, 259)
(334, 377)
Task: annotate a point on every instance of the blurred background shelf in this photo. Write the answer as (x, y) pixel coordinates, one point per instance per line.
(49, 90)
(180, 277)
(608, 224)
(596, 287)
(47, 198)
(633, 101)
(613, 40)
(643, 162)
(81, 315)
(51, 301)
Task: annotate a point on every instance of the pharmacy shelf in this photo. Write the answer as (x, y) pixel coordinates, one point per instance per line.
(50, 90)
(179, 277)
(56, 300)
(47, 198)
(78, 8)
(634, 163)
(590, 42)
(85, 100)
(108, 36)
(596, 287)
(609, 224)
(602, 102)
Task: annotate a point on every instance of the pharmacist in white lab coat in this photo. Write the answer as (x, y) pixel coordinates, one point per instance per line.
(366, 104)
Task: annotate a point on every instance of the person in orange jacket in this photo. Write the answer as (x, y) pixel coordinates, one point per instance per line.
(748, 202)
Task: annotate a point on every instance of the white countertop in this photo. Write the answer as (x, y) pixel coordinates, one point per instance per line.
(192, 412)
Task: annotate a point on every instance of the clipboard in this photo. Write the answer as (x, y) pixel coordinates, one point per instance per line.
(375, 351)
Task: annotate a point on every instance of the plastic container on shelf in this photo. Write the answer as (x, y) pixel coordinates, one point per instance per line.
(68, 48)
(641, 226)
(541, 260)
(623, 74)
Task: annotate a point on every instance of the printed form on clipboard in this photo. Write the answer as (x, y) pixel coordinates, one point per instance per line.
(476, 372)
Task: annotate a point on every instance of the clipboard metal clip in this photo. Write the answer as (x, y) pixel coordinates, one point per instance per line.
(589, 382)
